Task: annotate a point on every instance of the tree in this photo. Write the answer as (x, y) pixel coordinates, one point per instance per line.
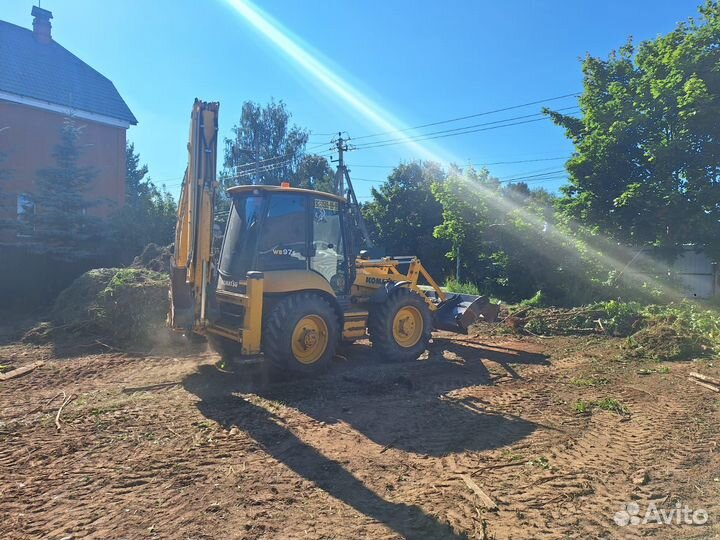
(6, 202)
(264, 148)
(137, 188)
(62, 223)
(403, 213)
(465, 218)
(148, 215)
(314, 172)
(528, 253)
(647, 161)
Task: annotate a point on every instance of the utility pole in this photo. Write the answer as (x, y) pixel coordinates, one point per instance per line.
(341, 147)
(342, 175)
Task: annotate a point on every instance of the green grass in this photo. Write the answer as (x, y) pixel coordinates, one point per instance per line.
(540, 462)
(662, 369)
(510, 456)
(612, 405)
(583, 407)
(453, 285)
(128, 277)
(605, 404)
(589, 381)
(537, 300)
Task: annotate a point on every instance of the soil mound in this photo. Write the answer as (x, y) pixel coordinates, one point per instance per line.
(664, 342)
(124, 307)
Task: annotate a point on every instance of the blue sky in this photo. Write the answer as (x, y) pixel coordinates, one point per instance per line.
(420, 61)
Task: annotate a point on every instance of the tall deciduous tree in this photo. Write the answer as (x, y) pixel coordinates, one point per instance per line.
(463, 196)
(314, 172)
(62, 223)
(403, 213)
(264, 148)
(647, 163)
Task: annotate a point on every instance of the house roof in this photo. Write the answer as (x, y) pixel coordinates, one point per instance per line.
(50, 73)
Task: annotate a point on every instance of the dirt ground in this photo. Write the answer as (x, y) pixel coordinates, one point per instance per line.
(172, 446)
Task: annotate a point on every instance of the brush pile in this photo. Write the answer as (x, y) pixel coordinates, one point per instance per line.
(670, 332)
(155, 258)
(122, 307)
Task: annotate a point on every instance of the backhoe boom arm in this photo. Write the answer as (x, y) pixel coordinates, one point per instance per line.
(192, 259)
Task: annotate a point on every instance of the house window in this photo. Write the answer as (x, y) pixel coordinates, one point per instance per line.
(25, 215)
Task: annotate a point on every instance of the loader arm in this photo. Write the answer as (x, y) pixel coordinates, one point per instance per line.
(191, 272)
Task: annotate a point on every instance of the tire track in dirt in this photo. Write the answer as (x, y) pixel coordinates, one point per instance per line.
(590, 463)
(368, 451)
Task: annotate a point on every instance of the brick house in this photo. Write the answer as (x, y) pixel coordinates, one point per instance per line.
(42, 84)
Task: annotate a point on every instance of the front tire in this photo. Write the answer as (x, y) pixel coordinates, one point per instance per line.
(401, 327)
(301, 333)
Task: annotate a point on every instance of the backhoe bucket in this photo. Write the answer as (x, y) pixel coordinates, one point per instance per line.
(182, 307)
(460, 311)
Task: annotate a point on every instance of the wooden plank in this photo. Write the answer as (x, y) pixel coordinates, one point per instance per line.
(705, 378)
(20, 371)
(484, 497)
(704, 385)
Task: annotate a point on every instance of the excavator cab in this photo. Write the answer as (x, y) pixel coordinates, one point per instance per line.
(286, 233)
(287, 283)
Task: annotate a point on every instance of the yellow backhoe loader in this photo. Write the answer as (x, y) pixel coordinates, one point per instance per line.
(288, 283)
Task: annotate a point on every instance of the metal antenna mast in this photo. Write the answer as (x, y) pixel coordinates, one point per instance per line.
(342, 175)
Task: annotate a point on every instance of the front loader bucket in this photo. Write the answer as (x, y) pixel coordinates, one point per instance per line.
(460, 311)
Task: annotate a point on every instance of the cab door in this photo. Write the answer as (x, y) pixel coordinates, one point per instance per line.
(328, 250)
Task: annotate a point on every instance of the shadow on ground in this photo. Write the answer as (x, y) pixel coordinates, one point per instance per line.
(403, 406)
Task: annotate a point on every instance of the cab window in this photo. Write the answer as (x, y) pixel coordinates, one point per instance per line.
(283, 240)
(238, 251)
(328, 254)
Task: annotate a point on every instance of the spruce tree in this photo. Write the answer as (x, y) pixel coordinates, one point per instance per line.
(62, 221)
(6, 200)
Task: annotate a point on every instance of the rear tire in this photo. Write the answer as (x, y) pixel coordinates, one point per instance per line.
(401, 327)
(301, 333)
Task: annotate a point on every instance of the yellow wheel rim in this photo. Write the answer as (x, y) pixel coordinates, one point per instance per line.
(309, 339)
(407, 326)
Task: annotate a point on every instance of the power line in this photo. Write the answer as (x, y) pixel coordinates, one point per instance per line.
(574, 94)
(405, 141)
(286, 158)
(485, 164)
(521, 161)
(536, 180)
(510, 178)
(536, 172)
(368, 180)
(442, 136)
(267, 168)
(528, 178)
(259, 162)
(471, 126)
